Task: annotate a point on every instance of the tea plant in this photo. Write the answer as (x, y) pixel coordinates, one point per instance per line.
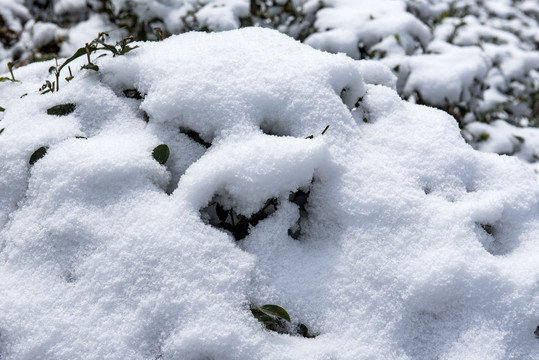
(121, 47)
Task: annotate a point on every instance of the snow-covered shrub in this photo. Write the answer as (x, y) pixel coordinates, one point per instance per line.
(409, 245)
(474, 59)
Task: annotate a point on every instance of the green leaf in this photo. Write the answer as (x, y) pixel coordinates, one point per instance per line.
(2, 130)
(62, 109)
(126, 49)
(302, 330)
(2, 109)
(520, 139)
(80, 52)
(326, 129)
(38, 154)
(275, 311)
(161, 153)
(2, 79)
(483, 137)
(269, 322)
(52, 69)
(90, 67)
(310, 137)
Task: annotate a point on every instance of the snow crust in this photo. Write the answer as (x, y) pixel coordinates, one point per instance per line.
(413, 245)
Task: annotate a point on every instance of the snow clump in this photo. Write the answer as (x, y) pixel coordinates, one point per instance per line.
(409, 245)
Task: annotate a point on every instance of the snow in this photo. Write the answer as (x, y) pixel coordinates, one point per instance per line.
(412, 244)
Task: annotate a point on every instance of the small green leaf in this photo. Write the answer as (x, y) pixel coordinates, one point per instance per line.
(2, 130)
(2, 109)
(519, 138)
(310, 137)
(269, 322)
(302, 330)
(80, 52)
(161, 153)
(483, 137)
(52, 69)
(38, 154)
(126, 49)
(62, 109)
(275, 311)
(90, 67)
(2, 79)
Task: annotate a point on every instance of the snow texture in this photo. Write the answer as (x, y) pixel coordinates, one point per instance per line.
(413, 245)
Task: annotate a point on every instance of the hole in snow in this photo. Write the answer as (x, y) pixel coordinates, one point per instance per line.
(133, 94)
(494, 240)
(300, 198)
(273, 128)
(235, 224)
(193, 135)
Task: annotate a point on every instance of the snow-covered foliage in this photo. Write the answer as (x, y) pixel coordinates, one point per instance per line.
(407, 244)
(476, 59)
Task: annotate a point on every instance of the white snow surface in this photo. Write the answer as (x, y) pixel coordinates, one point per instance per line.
(413, 246)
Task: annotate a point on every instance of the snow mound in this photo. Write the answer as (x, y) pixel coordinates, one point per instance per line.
(408, 243)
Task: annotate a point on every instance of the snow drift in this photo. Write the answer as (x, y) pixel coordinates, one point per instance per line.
(411, 245)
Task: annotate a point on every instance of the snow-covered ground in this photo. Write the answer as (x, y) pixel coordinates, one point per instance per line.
(407, 243)
(476, 59)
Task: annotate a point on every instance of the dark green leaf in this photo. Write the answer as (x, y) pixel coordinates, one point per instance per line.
(326, 129)
(126, 49)
(161, 153)
(483, 137)
(62, 109)
(222, 214)
(52, 69)
(90, 67)
(275, 311)
(80, 52)
(69, 78)
(2, 79)
(302, 330)
(520, 139)
(269, 322)
(2, 109)
(2, 130)
(107, 46)
(310, 137)
(38, 154)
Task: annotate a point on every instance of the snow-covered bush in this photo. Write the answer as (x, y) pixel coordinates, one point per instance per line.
(388, 236)
(477, 60)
